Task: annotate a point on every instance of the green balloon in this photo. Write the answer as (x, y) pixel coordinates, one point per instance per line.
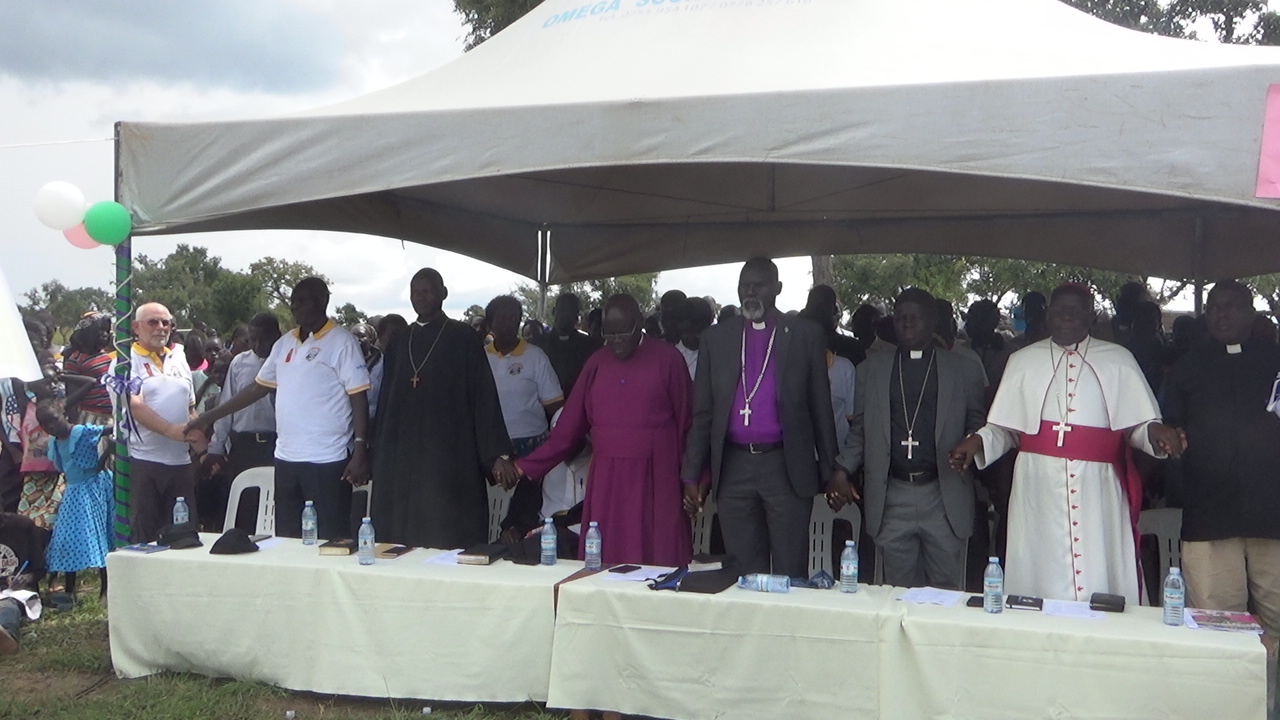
(108, 222)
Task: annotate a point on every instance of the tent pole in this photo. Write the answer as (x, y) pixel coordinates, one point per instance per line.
(544, 270)
(1199, 266)
(123, 343)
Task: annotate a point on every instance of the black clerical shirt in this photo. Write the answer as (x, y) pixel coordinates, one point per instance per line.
(1232, 463)
(568, 355)
(924, 457)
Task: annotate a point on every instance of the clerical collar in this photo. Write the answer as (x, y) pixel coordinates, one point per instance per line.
(758, 324)
(1234, 350)
(914, 354)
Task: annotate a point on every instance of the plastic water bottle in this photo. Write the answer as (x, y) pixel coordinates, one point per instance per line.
(309, 523)
(364, 542)
(548, 542)
(594, 561)
(993, 587)
(763, 582)
(1175, 597)
(181, 513)
(849, 567)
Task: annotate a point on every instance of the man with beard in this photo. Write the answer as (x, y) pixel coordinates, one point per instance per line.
(763, 423)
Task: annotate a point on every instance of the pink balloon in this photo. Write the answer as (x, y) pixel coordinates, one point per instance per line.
(79, 237)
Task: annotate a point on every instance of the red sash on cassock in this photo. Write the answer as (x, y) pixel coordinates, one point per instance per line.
(1094, 444)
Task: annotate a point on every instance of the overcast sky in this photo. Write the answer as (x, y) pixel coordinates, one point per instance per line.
(69, 70)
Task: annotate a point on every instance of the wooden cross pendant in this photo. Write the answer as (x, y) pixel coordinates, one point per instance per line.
(910, 444)
(745, 412)
(1061, 428)
(414, 381)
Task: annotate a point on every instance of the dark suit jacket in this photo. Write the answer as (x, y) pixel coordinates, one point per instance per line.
(961, 410)
(804, 401)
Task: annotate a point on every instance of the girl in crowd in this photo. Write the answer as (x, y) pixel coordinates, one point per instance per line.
(81, 537)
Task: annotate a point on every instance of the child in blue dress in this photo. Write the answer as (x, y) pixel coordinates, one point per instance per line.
(82, 535)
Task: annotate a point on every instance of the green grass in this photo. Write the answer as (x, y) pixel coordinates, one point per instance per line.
(64, 671)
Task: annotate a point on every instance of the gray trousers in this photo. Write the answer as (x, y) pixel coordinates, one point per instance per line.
(764, 523)
(917, 545)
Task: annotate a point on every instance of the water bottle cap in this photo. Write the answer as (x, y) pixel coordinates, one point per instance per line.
(366, 520)
(993, 560)
(548, 521)
(311, 503)
(181, 499)
(849, 543)
(1175, 570)
(594, 524)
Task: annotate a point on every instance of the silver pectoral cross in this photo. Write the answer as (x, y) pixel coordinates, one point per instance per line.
(910, 444)
(745, 412)
(1061, 428)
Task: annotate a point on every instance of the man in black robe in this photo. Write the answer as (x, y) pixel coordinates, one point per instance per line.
(439, 430)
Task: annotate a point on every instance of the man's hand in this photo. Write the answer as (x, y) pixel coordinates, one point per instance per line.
(1170, 440)
(357, 472)
(840, 490)
(695, 496)
(964, 452)
(506, 473)
(212, 464)
(177, 433)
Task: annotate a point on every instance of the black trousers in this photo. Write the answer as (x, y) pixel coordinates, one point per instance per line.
(153, 489)
(321, 483)
(765, 524)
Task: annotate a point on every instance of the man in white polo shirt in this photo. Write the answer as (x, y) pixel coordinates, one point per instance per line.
(322, 415)
(161, 467)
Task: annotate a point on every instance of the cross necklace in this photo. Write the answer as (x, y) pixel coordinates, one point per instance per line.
(417, 367)
(747, 397)
(1064, 425)
(910, 443)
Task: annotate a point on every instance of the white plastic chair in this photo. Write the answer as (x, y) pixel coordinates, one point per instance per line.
(820, 524)
(367, 491)
(499, 500)
(1166, 525)
(263, 478)
(702, 525)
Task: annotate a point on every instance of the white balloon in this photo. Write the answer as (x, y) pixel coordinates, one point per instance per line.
(60, 205)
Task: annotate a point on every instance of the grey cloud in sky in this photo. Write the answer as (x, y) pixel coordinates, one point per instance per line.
(269, 46)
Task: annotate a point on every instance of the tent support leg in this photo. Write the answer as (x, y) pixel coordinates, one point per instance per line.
(544, 270)
(123, 343)
(1199, 267)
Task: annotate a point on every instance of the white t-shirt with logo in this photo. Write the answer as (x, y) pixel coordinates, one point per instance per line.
(313, 379)
(166, 389)
(526, 382)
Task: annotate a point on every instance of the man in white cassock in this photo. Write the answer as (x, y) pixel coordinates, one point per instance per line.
(1074, 406)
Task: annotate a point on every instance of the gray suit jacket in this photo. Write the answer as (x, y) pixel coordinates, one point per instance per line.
(961, 410)
(804, 401)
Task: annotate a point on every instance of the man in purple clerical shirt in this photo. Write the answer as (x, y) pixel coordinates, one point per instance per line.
(762, 421)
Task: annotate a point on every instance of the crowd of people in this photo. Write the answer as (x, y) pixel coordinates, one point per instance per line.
(956, 440)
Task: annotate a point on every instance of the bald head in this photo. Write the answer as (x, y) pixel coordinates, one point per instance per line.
(152, 324)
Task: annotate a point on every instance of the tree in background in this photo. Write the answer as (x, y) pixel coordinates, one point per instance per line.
(476, 311)
(593, 293)
(348, 315)
(487, 18)
(65, 305)
(277, 277)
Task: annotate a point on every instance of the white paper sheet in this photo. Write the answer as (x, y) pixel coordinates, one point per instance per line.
(1072, 608)
(269, 542)
(448, 557)
(933, 596)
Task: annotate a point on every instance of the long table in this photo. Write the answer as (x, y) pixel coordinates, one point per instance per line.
(287, 616)
(810, 653)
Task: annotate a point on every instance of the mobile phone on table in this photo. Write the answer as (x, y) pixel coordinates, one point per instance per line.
(624, 568)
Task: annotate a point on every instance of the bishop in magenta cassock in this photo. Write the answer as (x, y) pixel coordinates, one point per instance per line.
(1075, 407)
(635, 398)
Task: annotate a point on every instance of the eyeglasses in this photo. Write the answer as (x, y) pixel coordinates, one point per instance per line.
(159, 322)
(619, 337)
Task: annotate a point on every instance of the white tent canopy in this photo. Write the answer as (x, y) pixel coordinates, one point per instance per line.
(656, 134)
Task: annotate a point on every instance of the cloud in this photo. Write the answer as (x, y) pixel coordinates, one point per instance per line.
(249, 45)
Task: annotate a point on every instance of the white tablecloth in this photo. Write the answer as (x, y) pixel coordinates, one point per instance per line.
(820, 653)
(289, 617)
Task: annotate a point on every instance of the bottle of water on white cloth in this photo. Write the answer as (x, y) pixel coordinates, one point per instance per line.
(763, 582)
(364, 542)
(993, 586)
(309, 523)
(849, 567)
(1175, 597)
(548, 542)
(181, 513)
(594, 549)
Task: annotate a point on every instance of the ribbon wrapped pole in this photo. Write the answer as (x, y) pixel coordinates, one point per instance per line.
(123, 342)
